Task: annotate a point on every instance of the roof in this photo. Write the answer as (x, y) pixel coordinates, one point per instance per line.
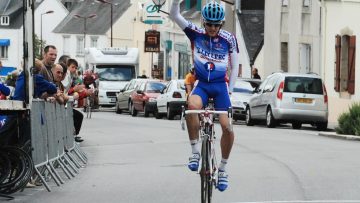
(251, 21)
(13, 9)
(95, 26)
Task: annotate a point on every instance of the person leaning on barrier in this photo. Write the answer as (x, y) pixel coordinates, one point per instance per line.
(4, 91)
(49, 57)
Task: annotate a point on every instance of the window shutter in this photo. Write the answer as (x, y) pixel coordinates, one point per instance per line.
(351, 66)
(337, 63)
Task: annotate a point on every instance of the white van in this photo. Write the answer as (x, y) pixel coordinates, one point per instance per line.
(114, 67)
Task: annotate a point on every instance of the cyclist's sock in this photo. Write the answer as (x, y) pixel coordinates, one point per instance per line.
(222, 164)
(195, 146)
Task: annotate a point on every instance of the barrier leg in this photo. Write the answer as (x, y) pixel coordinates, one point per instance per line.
(71, 164)
(42, 179)
(66, 167)
(73, 159)
(77, 147)
(52, 174)
(63, 168)
(78, 154)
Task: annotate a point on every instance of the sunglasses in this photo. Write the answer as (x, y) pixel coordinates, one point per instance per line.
(211, 24)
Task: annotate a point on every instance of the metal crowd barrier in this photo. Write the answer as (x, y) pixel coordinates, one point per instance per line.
(53, 143)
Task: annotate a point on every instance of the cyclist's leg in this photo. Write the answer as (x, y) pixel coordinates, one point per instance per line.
(222, 102)
(195, 101)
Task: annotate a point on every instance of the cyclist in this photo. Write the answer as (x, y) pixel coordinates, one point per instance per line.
(214, 50)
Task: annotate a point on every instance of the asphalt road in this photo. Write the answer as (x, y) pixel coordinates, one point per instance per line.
(137, 159)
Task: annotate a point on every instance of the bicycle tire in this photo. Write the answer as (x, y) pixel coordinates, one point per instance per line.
(206, 179)
(203, 170)
(18, 168)
(5, 166)
(25, 178)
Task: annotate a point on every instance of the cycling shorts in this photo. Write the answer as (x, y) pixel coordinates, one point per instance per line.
(217, 90)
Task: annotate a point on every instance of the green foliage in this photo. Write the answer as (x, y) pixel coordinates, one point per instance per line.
(349, 122)
(37, 47)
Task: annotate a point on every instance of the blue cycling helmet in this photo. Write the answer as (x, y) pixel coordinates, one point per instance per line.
(213, 12)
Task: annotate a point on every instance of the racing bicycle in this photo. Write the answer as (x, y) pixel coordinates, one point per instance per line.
(208, 164)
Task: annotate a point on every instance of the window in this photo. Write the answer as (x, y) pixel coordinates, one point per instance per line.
(93, 42)
(306, 3)
(345, 47)
(80, 46)
(5, 20)
(305, 54)
(284, 56)
(66, 44)
(3, 52)
(285, 3)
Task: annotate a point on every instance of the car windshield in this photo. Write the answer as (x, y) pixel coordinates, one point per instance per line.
(243, 87)
(115, 72)
(303, 85)
(154, 87)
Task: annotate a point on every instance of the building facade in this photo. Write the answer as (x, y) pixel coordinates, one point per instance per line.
(340, 66)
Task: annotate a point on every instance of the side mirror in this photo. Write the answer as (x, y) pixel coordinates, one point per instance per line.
(139, 92)
(268, 88)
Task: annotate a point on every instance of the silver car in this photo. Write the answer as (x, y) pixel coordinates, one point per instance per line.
(290, 98)
(242, 92)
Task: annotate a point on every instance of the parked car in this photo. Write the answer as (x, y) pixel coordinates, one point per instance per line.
(171, 100)
(123, 98)
(144, 97)
(242, 92)
(290, 98)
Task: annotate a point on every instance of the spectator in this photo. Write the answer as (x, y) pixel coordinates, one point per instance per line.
(63, 59)
(190, 80)
(72, 66)
(49, 57)
(255, 73)
(4, 91)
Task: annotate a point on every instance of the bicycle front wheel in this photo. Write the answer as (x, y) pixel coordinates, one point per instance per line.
(205, 172)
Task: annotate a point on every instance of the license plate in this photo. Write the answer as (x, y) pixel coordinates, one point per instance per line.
(113, 100)
(303, 100)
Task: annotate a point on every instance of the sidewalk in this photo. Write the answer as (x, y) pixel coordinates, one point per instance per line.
(331, 133)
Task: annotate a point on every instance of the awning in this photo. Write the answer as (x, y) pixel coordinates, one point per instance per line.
(4, 71)
(4, 42)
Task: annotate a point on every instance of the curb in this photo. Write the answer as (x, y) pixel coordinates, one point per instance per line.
(338, 136)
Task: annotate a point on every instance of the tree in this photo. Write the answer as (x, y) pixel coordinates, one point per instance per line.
(37, 45)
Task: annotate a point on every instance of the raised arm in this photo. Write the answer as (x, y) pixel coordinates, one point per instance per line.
(176, 16)
(234, 60)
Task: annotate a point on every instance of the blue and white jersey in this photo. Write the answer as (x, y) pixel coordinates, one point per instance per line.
(211, 55)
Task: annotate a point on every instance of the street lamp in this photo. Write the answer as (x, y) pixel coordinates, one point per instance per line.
(85, 18)
(111, 18)
(41, 39)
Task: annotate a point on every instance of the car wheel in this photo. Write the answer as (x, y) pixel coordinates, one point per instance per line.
(146, 111)
(296, 125)
(169, 114)
(248, 120)
(321, 126)
(270, 120)
(129, 107)
(157, 114)
(117, 110)
(133, 110)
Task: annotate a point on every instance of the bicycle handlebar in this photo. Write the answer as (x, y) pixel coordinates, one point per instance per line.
(205, 111)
